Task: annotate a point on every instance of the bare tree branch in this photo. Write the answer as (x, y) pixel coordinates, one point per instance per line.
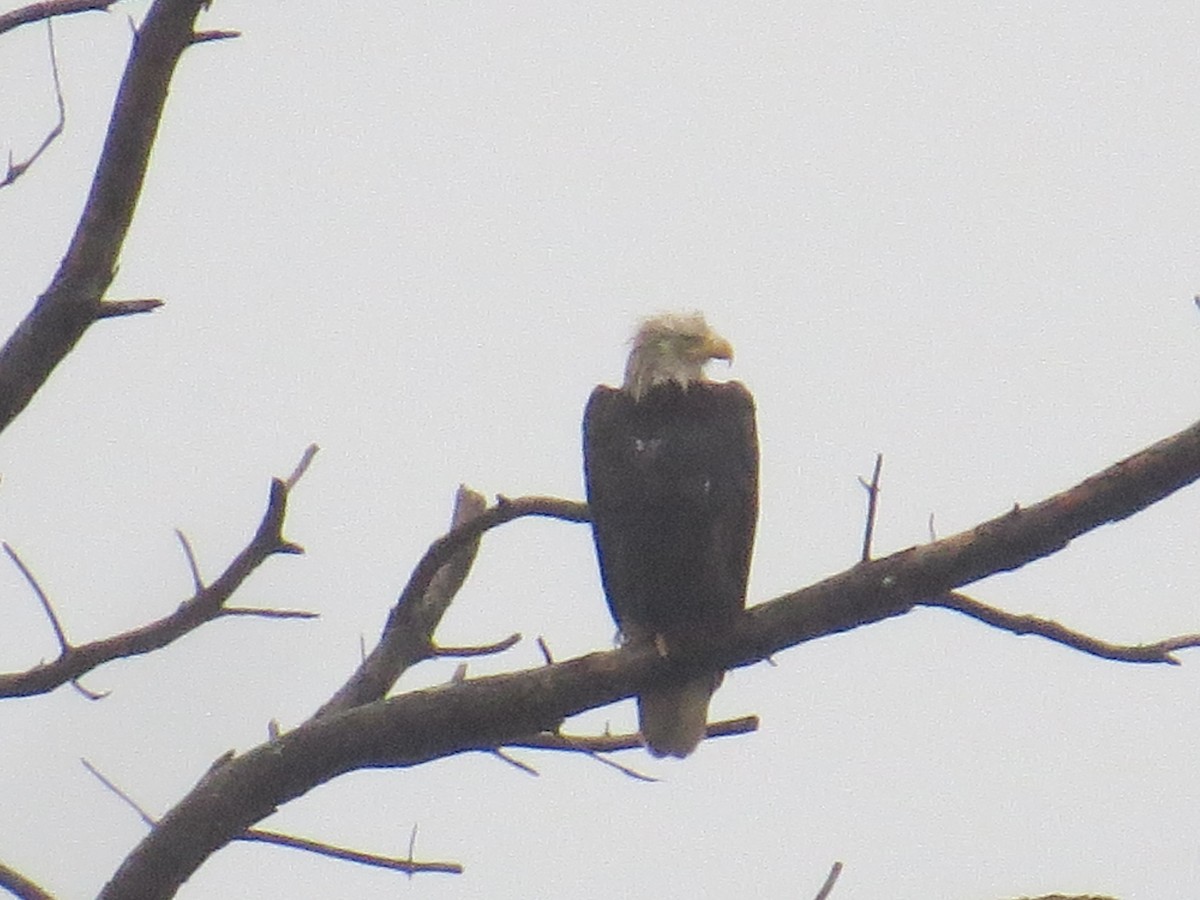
(830, 880)
(17, 169)
(408, 865)
(207, 604)
(482, 650)
(73, 301)
(36, 12)
(20, 886)
(872, 489)
(407, 637)
(320, 848)
(499, 710)
(193, 566)
(108, 783)
(61, 635)
(609, 743)
(110, 309)
(1158, 652)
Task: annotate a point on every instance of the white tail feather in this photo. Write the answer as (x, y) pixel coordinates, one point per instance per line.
(673, 718)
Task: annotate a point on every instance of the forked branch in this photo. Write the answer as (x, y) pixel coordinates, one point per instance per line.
(503, 710)
(205, 605)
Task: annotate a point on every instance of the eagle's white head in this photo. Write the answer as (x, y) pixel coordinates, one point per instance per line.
(672, 347)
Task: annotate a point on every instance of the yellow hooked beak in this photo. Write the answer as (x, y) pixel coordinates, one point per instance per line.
(716, 347)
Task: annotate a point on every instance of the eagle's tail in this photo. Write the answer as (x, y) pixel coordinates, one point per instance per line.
(673, 717)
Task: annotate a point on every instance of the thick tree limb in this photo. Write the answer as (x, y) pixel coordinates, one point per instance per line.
(407, 637)
(73, 301)
(207, 604)
(486, 713)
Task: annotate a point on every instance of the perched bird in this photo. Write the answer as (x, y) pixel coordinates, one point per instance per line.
(671, 463)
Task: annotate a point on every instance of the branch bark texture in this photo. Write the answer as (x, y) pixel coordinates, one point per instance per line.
(485, 713)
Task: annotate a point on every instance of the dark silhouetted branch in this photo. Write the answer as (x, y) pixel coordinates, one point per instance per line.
(110, 309)
(61, 635)
(872, 489)
(610, 743)
(396, 864)
(279, 839)
(1158, 652)
(207, 604)
(830, 880)
(73, 301)
(484, 714)
(21, 887)
(407, 637)
(37, 12)
(483, 650)
(17, 169)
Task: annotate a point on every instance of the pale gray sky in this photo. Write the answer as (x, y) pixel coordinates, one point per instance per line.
(418, 234)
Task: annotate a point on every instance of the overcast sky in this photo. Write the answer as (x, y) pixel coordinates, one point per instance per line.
(963, 234)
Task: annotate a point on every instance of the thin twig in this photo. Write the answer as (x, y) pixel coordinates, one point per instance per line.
(16, 170)
(830, 880)
(204, 606)
(412, 842)
(609, 743)
(301, 467)
(872, 489)
(63, 644)
(110, 309)
(36, 12)
(512, 761)
(545, 648)
(378, 861)
(483, 650)
(1157, 652)
(197, 580)
(627, 771)
(88, 693)
(203, 37)
(269, 613)
(129, 801)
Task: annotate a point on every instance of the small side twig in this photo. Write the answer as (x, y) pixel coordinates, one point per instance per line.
(830, 880)
(17, 169)
(609, 743)
(204, 37)
(269, 613)
(207, 604)
(379, 861)
(306, 459)
(514, 762)
(36, 12)
(482, 650)
(1157, 652)
(129, 801)
(407, 637)
(63, 644)
(197, 580)
(110, 309)
(872, 489)
(285, 840)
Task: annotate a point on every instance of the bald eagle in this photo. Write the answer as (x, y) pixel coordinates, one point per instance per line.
(671, 464)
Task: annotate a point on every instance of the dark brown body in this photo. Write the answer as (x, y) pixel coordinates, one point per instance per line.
(672, 481)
